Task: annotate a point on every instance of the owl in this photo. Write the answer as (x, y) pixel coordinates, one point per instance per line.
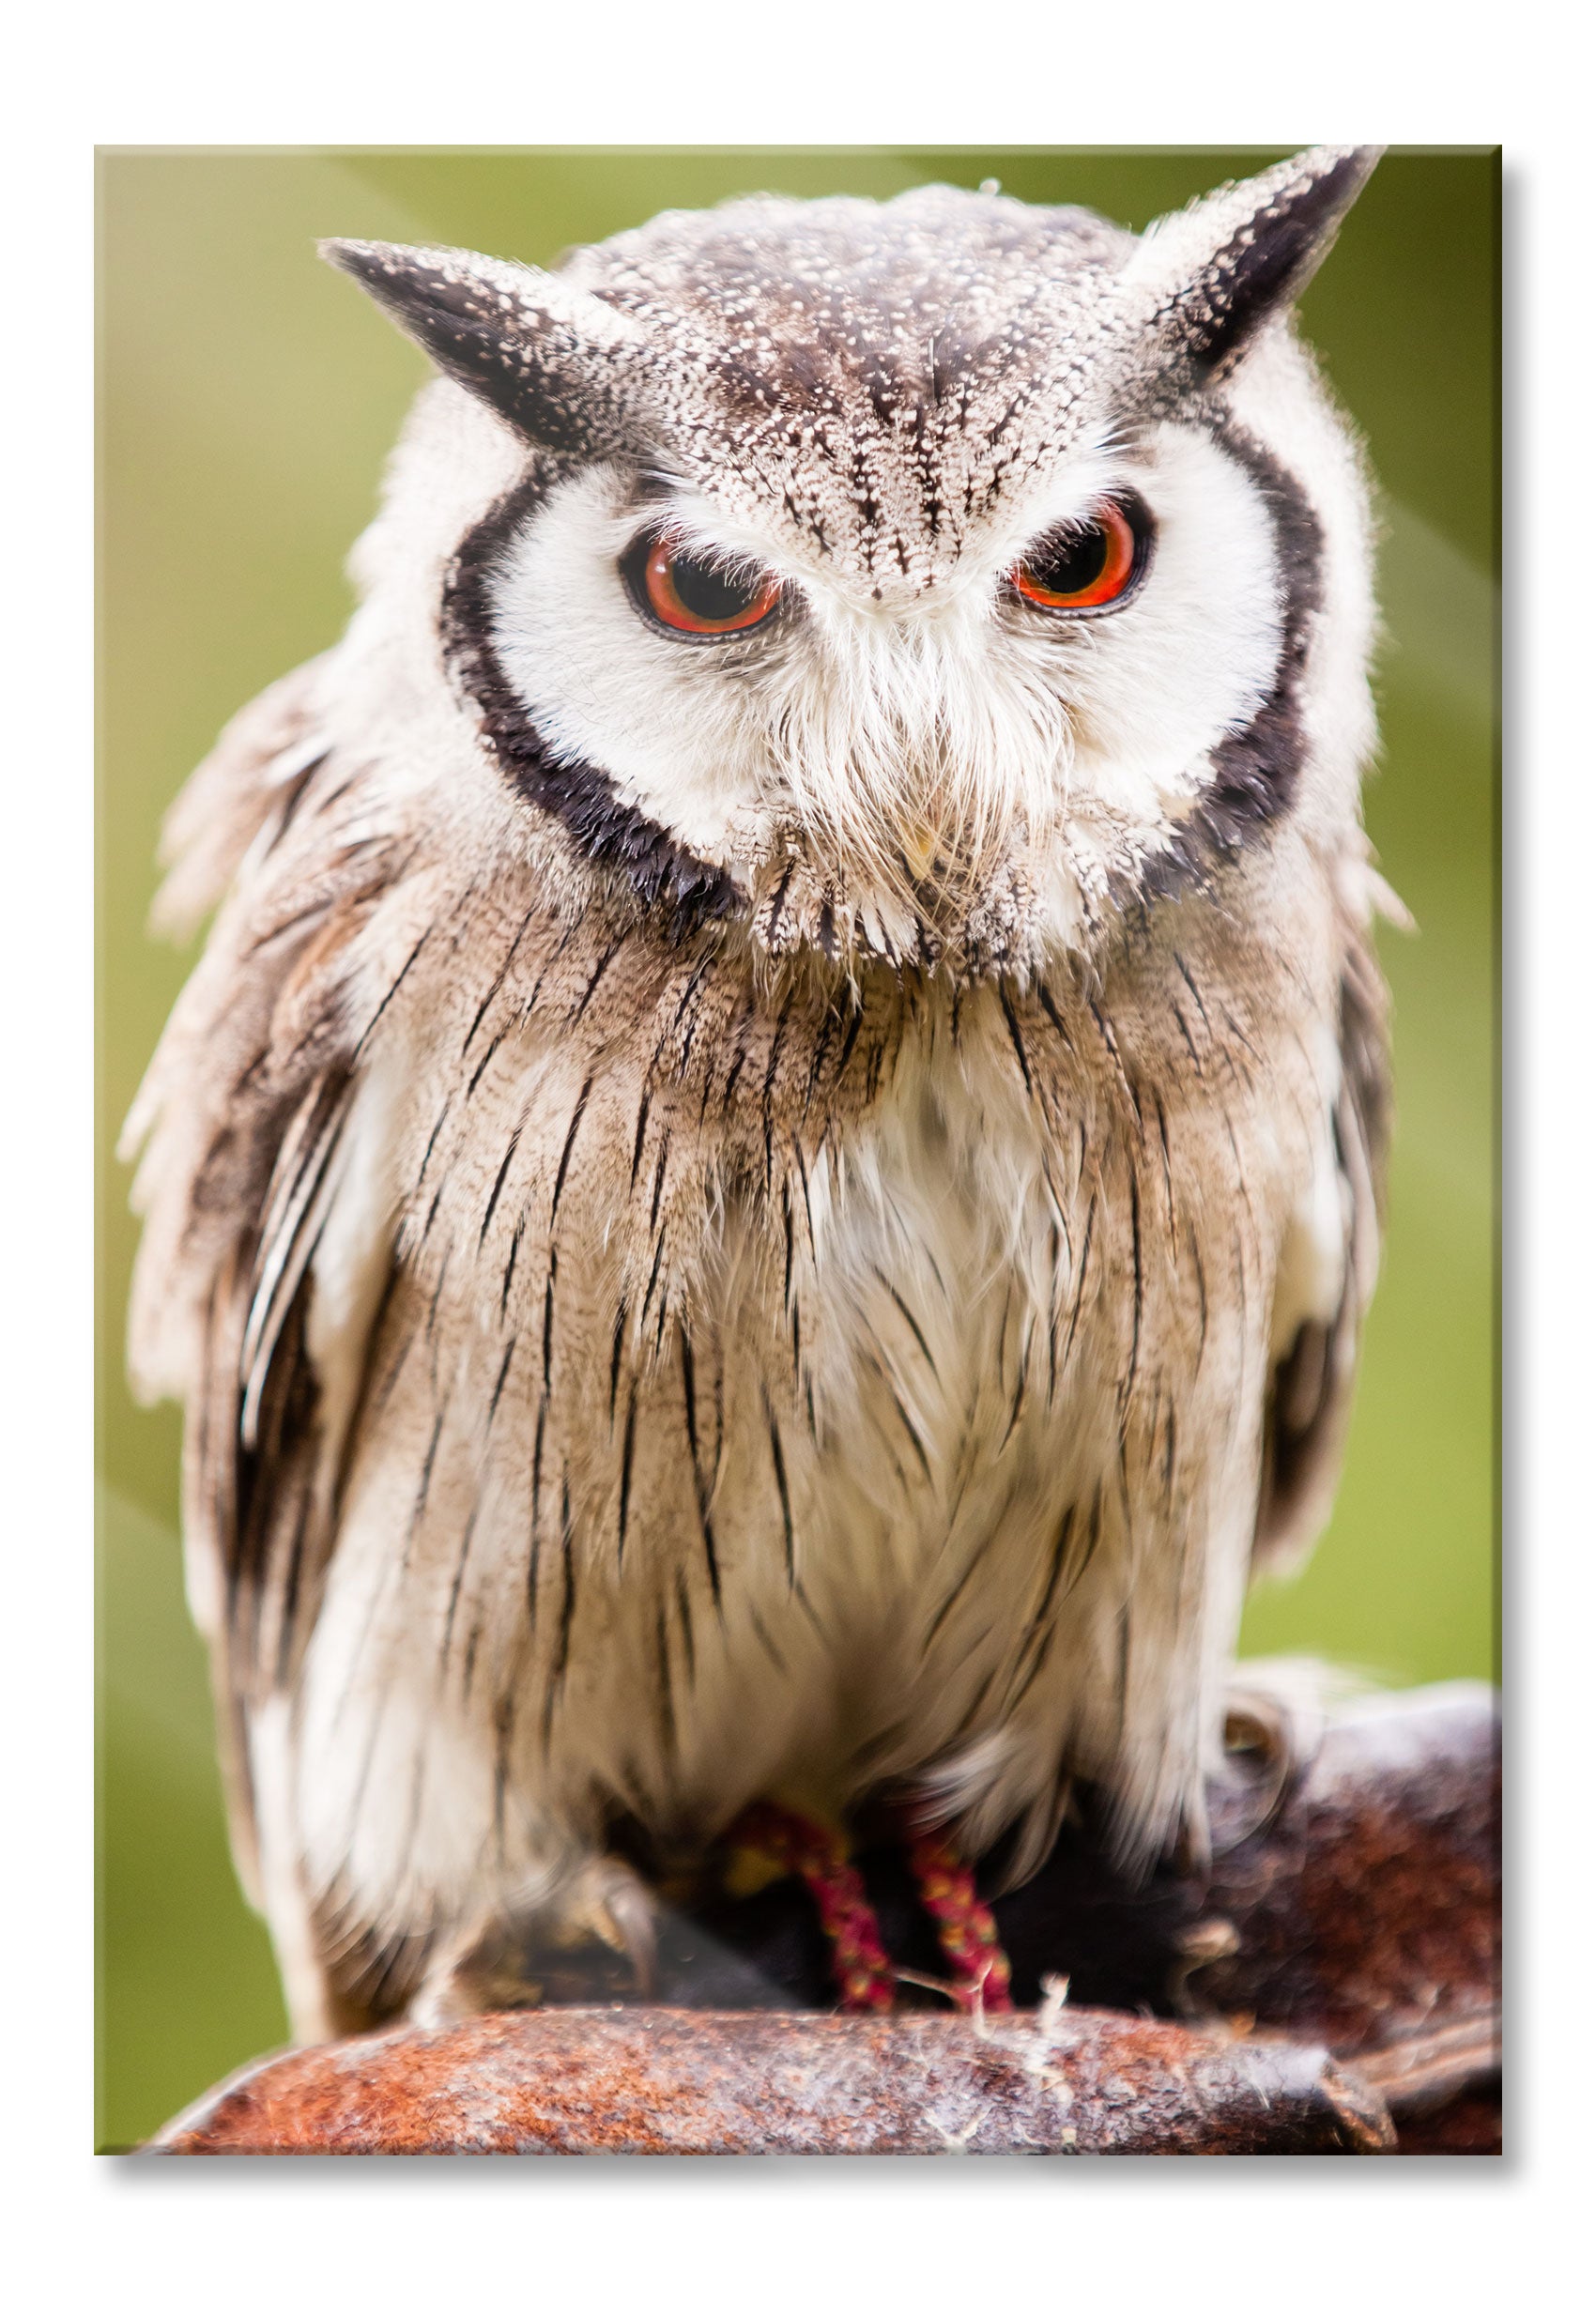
(765, 1193)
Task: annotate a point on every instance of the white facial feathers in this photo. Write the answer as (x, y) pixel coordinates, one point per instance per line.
(943, 733)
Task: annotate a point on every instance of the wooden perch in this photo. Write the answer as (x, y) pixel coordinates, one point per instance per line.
(649, 2081)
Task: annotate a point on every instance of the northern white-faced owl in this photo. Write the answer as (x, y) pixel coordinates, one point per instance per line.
(767, 1184)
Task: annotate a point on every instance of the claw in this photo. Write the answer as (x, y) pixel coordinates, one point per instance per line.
(593, 1938)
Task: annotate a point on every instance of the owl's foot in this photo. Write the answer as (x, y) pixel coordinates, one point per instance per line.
(819, 1857)
(865, 1978)
(591, 1941)
(966, 1928)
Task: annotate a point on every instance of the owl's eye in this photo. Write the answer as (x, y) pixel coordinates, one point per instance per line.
(696, 597)
(1088, 566)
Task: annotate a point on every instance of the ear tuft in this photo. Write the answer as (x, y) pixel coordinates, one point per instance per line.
(1230, 262)
(541, 353)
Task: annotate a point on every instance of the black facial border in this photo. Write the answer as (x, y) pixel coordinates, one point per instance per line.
(660, 870)
(1255, 771)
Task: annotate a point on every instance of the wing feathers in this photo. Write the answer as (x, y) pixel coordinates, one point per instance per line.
(246, 791)
(302, 1191)
(242, 1119)
(1307, 1423)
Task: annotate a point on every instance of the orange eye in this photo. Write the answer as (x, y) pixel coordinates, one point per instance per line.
(698, 597)
(1080, 568)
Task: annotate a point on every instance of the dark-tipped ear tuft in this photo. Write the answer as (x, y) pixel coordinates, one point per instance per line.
(1230, 261)
(538, 351)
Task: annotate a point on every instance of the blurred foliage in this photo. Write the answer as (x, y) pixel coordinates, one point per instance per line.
(247, 399)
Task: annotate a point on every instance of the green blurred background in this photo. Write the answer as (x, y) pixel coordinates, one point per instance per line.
(246, 398)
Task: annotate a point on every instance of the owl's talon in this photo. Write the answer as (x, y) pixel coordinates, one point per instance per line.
(594, 1940)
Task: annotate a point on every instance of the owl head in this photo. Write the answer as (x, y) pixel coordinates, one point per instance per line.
(934, 582)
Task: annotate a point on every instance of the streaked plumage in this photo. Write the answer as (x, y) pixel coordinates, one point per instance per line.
(787, 1217)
